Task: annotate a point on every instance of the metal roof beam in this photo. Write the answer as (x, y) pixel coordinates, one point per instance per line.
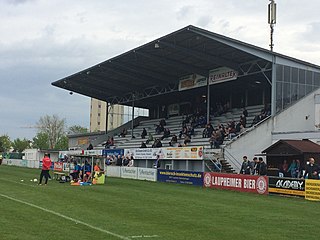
(201, 55)
(169, 62)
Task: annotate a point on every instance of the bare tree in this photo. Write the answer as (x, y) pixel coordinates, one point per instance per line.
(54, 127)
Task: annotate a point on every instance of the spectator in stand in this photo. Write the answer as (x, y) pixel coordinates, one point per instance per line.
(245, 112)
(143, 145)
(284, 168)
(144, 133)
(46, 164)
(214, 140)
(124, 132)
(162, 122)
(187, 140)
(109, 142)
(243, 120)
(166, 133)
(190, 130)
(245, 167)
(157, 143)
(90, 147)
(231, 130)
(150, 138)
(312, 170)
(293, 169)
(262, 167)
(184, 131)
(174, 140)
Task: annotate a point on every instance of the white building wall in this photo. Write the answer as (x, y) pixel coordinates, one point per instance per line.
(301, 118)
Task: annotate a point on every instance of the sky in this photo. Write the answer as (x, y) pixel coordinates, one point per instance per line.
(43, 41)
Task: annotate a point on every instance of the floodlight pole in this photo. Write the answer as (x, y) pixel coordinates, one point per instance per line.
(272, 21)
(272, 7)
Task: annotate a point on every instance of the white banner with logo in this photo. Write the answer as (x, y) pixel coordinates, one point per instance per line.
(113, 171)
(129, 172)
(222, 74)
(144, 153)
(183, 153)
(166, 153)
(192, 81)
(148, 174)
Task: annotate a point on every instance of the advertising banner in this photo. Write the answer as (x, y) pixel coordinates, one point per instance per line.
(58, 166)
(92, 152)
(222, 74)
(111, 152)
(71, 152)
(312, 190)
(195, 153)
(144, 153)
(113, 171)
(183, 153)
(287, 186)
(192, 81)
(129, 172)
(148, 174)
(182, 177)
(237, 182)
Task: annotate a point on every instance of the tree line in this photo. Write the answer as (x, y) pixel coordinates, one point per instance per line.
(51, 134)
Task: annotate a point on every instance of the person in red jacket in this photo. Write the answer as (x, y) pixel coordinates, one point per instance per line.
(46, 164)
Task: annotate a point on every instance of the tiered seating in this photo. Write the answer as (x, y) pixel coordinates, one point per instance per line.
(175, 126)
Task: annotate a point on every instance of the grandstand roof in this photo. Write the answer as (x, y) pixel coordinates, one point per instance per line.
(154, 69)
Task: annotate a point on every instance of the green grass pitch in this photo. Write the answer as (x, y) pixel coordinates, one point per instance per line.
(133, 209)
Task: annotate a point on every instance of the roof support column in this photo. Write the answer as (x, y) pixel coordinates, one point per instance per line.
(132, 115)
(274, 87)
(107, 118)
(208, 101)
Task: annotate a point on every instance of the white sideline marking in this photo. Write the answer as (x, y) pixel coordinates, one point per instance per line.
(21, 183)
(65, 217)
(144, 236)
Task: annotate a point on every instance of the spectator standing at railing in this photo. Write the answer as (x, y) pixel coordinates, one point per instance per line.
(293, 169)
(312, 170)
(256, 165)
(262, 167)
(245, 167)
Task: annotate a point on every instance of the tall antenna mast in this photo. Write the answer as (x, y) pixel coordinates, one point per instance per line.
(272, 7)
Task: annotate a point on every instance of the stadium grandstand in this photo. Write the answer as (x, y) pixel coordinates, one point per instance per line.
(228, 96)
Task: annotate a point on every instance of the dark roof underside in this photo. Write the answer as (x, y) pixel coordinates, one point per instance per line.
(159, 63)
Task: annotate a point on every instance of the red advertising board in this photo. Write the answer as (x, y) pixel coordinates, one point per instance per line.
(237, 182)
(58, 166)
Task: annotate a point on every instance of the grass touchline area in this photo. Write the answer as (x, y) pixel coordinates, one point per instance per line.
(134, 209)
